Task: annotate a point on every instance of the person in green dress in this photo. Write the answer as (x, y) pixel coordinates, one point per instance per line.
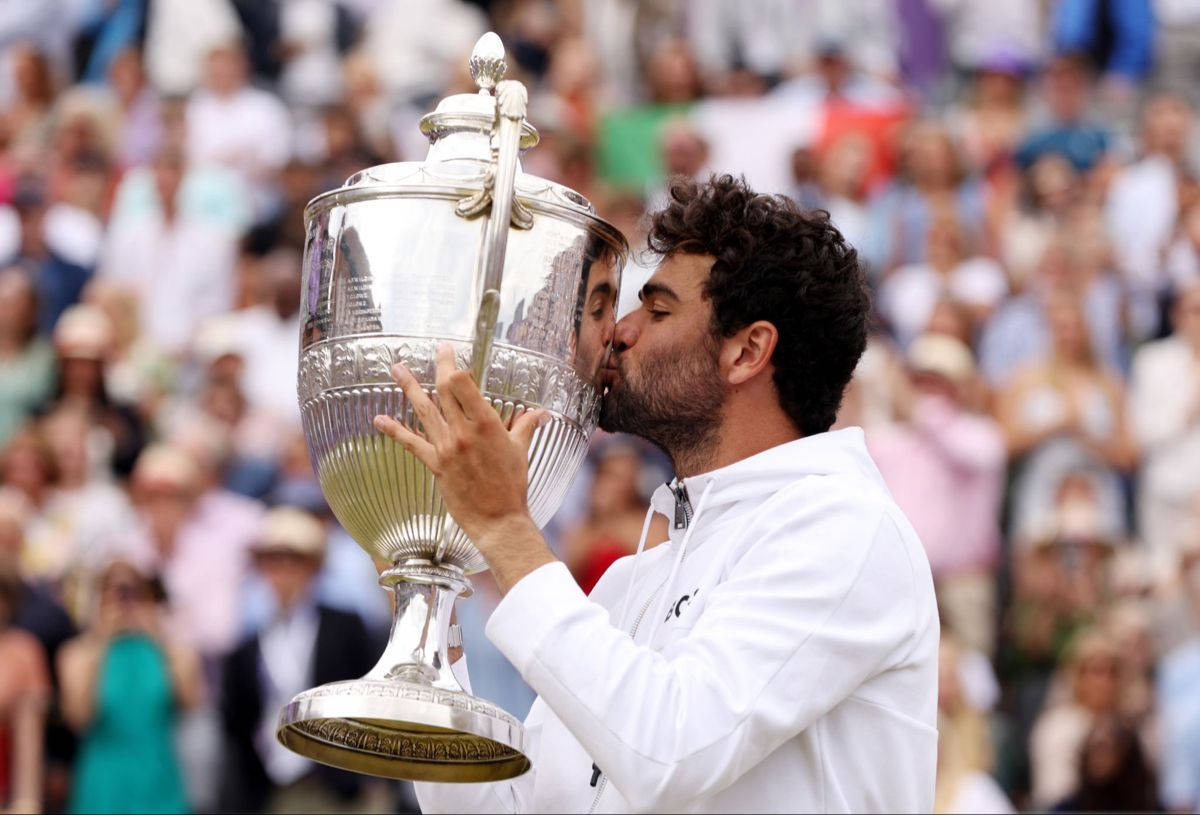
(123, 682)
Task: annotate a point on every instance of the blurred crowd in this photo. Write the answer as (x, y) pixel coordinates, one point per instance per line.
(1020, 178)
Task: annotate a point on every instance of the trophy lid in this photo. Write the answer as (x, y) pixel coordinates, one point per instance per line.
(460, 132)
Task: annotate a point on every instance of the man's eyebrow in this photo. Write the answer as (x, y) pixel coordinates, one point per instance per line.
(601, 288)
(651, 289)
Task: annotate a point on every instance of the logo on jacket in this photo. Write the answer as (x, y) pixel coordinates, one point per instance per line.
(676, 608)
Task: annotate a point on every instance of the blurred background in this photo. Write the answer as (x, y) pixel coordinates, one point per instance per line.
(1020, 177)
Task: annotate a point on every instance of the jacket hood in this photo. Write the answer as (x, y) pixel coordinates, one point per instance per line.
(833, 452)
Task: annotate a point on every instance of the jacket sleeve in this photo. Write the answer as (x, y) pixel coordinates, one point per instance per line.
(511, 796)
(822, 600)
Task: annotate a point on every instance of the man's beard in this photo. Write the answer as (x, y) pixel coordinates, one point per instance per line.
(674, 401)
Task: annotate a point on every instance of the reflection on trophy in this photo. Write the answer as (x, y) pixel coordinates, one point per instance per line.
(520, 277)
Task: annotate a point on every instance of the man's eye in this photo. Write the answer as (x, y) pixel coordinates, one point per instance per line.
(658, 314)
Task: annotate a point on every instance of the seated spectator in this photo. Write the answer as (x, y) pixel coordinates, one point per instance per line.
(1066, 86)
(1165, 415)
(302, 645)
(1177, 678)
(1143, 206)
(26, 360)
(123, 682)
(1091, 690)
(83, 339)
(613, 523)
(931, 179)
(908, 295)
(1114, 773)
(944, 464)
(964, 783)
(198, 535)
(24, 693)
(1064, 414)
(235, 125)
(179, 262)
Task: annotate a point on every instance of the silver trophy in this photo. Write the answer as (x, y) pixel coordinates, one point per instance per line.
(520, 276)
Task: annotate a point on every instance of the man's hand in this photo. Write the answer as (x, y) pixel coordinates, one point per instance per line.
(482, 466)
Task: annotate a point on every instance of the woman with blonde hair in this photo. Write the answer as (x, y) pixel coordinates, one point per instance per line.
(964, 782)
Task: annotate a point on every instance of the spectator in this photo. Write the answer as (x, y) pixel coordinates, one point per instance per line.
(1063, 414)
(303, 644)
(613, 523)
(234, 125)
(26, 360)
(908, 295)
(140, 134)
(1067, 129)
(944, 464)
(1165, 415)
(180, 265)
(932, 179)
(1143, 205)
(964, 752)
(1175, 688)
(123, 681)
(200, 536)
(1114, 773)
(1091, 692)
(83, 338)
(26, 691)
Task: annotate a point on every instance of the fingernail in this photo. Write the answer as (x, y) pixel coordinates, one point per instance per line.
(543, 419)
(380, 422)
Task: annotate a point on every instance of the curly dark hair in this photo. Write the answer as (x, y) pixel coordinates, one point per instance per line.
(776, 262)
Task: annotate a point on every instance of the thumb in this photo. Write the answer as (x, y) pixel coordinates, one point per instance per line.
(524, 426)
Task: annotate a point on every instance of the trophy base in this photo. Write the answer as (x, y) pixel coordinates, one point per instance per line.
(396, 728)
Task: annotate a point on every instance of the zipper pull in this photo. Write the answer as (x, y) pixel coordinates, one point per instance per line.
(595, 775)
(683, 506)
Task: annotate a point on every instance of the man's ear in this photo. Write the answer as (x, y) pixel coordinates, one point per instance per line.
(748, 352)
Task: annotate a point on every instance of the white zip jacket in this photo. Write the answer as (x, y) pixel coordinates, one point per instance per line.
(778, 654)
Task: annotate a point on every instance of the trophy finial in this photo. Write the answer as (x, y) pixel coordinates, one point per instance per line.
(487, 61)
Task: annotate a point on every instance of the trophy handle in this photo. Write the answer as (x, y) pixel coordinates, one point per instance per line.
(511, 99)
(499, 183)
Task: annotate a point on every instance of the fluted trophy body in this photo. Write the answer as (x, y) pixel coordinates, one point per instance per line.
(520, 277)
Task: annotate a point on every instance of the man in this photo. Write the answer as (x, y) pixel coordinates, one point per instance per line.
(303, 645)
(779, 652)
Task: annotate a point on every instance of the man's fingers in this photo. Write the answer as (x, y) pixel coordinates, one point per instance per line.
(408, 440)
(423, 407)
(523, 426)
(457, 392)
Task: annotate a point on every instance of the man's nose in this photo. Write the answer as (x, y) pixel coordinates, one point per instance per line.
(625, 333)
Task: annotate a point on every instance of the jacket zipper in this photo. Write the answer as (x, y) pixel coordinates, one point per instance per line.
(683, 515)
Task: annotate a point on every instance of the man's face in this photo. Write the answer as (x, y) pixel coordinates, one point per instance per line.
(597, 319)
(664, 381)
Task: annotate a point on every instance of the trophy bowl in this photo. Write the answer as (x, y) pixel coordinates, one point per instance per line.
(520, 277)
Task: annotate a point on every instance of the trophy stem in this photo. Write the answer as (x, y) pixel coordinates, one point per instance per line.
(419, 642)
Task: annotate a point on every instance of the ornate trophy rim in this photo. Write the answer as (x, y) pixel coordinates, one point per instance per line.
(564, 210)
(392, 728)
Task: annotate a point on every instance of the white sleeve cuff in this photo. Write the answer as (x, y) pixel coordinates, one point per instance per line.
(538, 604)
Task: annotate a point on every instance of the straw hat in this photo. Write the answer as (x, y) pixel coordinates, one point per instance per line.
(83, 332)
(943, 355)
(291, 529)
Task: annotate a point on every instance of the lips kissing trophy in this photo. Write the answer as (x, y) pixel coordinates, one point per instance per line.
(519, 276)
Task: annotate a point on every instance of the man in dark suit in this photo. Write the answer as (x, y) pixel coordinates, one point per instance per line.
(303, 644)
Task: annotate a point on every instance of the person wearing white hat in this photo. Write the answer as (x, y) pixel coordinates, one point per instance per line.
(303, 644)
(944, 464)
